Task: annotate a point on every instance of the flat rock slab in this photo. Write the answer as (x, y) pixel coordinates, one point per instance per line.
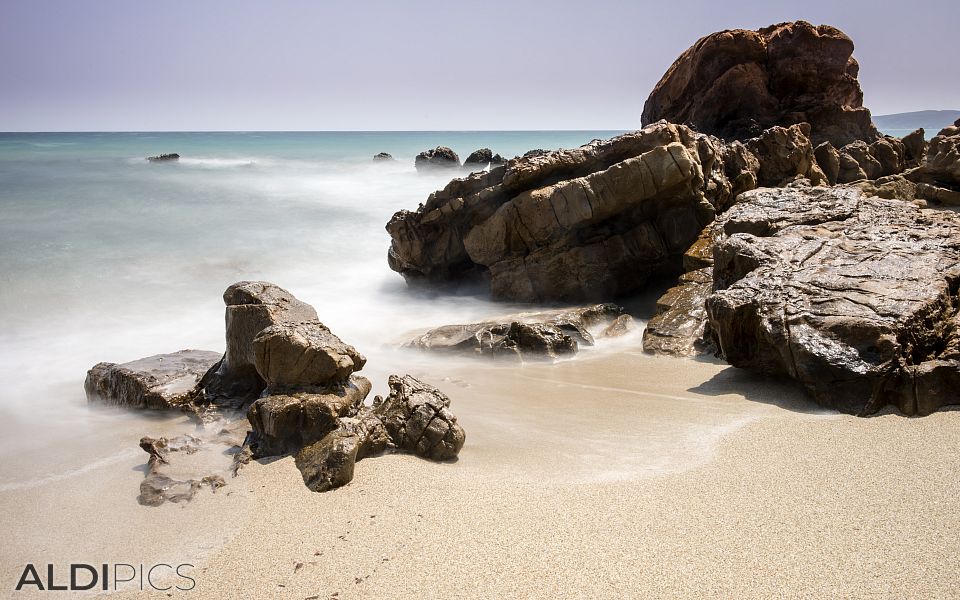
(546, 334)
(158, 382)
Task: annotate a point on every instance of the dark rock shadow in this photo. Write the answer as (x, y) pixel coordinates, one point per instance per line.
(778, 391)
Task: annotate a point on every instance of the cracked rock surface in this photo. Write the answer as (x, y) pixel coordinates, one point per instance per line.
(159, 382)
(855, 297)
(417, 418)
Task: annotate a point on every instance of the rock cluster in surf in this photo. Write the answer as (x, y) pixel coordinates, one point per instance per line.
(297, 382)
(852, 290)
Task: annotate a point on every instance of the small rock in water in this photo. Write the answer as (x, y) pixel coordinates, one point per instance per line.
(164, 157)
(382, 156)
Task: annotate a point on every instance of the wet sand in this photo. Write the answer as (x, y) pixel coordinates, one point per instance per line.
(612, 475)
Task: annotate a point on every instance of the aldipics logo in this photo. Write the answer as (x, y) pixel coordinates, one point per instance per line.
(79, 577)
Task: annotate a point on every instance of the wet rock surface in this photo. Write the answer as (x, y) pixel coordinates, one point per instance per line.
(734, 84)
(158, 486)
(572, 225)
(382, 156)
(479, 159)
(853, 296)
(545, 334)
(172, 157)
(158, 382)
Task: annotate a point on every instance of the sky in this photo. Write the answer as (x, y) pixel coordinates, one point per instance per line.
(195, 65)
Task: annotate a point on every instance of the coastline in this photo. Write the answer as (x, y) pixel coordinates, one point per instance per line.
(660, 481)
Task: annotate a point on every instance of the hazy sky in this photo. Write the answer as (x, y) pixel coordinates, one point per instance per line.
(318, 65)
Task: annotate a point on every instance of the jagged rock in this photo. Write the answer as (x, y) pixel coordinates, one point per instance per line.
(571, 225)
(915, 148)
(370, 431)
(828, 158)
(894, 187)
(158, 382)
(479, 159)
(938, 177)
(860, 153)
(328, 463)
(418, 419)
(299, 355)
(890, 153)
(850, 170)
(547, 334)
(381, 156)
(734, 84)
(440, 157)
(783, 154)
(535, 152)
(855, 297)
(252, 306)
(164, 158)
(286, 423)
(497, 160)
(679, 327)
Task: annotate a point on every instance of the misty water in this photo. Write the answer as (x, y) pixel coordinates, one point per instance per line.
(106, 257)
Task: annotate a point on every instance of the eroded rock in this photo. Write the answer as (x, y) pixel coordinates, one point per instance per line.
(737, 83)
(162, 381)
(299, 355)
(418, 419)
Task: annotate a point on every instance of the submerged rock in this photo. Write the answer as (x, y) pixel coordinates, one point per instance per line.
(440, 157)
(159, 382)
(546, 334)
(158, 487)
(418, 419)
(164, 158)
(382, 156)
(737, 83)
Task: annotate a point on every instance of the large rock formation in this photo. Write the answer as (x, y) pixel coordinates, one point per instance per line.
(547, 334)
(735, 84)
(159, 382)
(855, 297)
(571, 225)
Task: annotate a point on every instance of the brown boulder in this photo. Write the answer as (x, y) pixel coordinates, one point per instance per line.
(418, 419)
(737, 83)
(302, 355)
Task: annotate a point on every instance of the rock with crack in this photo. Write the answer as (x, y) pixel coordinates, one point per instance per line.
(785, 153)
(158, 382)
(328, 463)
(855, 297)
(284, 423)
(938, 176)
(545, 334)
(301, 355)
(679, 327)
(417, 418)
(736, 83)
(252, 307)
(573, 225)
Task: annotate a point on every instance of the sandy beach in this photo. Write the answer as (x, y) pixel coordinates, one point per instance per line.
(612, 475)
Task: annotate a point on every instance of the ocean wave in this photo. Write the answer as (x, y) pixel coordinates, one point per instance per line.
(103, 462)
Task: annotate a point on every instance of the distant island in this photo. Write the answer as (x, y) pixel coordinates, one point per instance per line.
(934, 120)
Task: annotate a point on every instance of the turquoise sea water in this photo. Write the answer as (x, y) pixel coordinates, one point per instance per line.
(106, 257)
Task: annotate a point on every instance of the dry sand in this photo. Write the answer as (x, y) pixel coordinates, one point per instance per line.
(612, 475)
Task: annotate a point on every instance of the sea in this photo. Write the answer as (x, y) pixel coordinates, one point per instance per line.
(105, 256)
